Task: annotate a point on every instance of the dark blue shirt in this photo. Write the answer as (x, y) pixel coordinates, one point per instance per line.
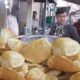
(69, 31)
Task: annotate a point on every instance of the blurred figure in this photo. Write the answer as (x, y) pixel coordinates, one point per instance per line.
(77, 25)
(35, 24)
(12, 23)
(61, 28)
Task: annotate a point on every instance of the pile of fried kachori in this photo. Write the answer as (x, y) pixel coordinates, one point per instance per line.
(39, 59)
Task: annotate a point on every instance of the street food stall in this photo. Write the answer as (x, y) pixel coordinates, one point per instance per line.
(39, 57)
(74, 1)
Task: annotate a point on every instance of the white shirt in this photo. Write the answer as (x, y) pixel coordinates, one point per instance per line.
(12, 24)
(35, 23)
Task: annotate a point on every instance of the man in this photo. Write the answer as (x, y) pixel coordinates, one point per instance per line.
(35, 24)
(77, 25)
(61, 28)
(12, 23)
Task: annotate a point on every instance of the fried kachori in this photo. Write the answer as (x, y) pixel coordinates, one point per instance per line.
(62, 63)
(8, 74)
(75, 76)
(35, 74)
(15, 44)
(37, 51)
(12, 59)
(66, 47)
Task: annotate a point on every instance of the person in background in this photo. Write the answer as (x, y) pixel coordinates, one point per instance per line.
(61, 28)
(35, 24)
(12, 23)
(77, 25)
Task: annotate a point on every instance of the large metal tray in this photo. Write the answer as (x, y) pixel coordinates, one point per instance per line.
(30, 38)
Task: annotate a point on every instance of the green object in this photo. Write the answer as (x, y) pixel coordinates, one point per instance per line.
(49, 19)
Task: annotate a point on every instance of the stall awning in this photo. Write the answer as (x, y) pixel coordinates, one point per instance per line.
(74, 1)
(51, 1)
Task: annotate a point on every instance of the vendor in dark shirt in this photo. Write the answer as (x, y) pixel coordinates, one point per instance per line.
(77, 25)
(61, 28)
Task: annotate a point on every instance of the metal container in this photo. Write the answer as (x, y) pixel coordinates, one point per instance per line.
(34, 37)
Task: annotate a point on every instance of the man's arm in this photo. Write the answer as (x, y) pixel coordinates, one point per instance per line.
(52, 29)
(51, 32)
(74, 34)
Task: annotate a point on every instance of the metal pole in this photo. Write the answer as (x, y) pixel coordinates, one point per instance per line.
(43, 23)
(28, 29)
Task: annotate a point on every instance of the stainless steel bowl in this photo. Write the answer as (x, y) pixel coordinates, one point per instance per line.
(34, 37)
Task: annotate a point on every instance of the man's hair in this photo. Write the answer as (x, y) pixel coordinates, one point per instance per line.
(61, 10)
(14, 9)
(34, 12)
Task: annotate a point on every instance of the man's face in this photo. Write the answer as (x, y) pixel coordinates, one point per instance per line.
(34, 15)
(61, 18)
